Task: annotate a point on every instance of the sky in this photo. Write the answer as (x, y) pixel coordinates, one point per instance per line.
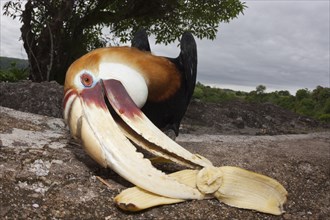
(282, 44)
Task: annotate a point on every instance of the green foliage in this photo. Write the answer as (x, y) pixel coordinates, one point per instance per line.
(13, 73)
(321, 95)
(198, 92)
(302, 94)
(314, 103)
(168, 22)
(325, 118)
(260, 89)
(326, 108)
(287, 102)
(215, 95)
(305, 106)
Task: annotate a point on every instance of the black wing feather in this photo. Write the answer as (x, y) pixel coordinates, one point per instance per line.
(188, 61)
(140, 40)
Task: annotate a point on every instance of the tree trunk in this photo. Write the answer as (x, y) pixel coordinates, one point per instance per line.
(30, 42)
(48, 52)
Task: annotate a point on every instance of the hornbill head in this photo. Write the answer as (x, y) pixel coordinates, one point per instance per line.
(119, 80)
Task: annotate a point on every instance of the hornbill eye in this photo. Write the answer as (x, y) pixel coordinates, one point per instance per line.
(86, 79)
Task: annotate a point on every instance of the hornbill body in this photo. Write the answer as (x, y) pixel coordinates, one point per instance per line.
(105, 91)
(168, 113)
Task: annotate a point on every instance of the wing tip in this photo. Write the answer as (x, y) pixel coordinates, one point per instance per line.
(140, 40)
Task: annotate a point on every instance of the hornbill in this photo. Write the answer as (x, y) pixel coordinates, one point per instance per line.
(105, 91)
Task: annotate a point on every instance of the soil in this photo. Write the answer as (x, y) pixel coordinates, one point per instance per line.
(44, 174)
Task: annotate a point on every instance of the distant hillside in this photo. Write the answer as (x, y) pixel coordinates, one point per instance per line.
(6, 62)
(312, 103)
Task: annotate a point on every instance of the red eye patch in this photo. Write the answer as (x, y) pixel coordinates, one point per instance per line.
(86, 79)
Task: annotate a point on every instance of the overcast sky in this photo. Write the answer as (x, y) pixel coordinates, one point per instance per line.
(283, 45)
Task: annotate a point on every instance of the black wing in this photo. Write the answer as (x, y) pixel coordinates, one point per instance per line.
(187, 63)
(140, 41)
(167, 115)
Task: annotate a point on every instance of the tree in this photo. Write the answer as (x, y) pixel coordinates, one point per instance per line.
(260, 89)
(56, 32)
(283, 93)
(306, 106)
(302, 94)
(321, 94)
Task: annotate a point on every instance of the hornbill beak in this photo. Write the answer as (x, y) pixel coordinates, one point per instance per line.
(104, 91)
(106, 140)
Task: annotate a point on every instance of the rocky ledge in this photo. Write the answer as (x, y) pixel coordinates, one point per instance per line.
(46, 175)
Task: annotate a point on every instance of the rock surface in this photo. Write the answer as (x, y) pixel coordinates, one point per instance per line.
(237, 117)
(40, 98)
(46, 175)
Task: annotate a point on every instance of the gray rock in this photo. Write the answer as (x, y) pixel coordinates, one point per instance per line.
(239, 123)
(46, 175)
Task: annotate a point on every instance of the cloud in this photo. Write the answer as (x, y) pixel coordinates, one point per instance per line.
(279, 44)
(10, 43)
(283, 45)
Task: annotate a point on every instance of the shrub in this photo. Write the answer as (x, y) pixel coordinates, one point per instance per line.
(13, 73)
(325, 118)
